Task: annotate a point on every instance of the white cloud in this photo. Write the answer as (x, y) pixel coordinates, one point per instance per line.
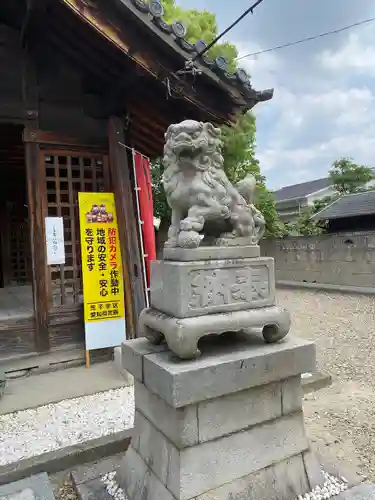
(293, 165)
(346, 118)
(263, 68)
(356, 54)
(322, 110)
(335, 101)
(343, 107)
(285, 159)
(358, 144)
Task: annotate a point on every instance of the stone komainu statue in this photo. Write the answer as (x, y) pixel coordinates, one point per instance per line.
(199, 193)
(224, 286)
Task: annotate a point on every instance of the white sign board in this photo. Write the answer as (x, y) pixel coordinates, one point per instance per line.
(55, 241)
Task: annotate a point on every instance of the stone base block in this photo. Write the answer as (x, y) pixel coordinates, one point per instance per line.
(227, 426)
(285, 480)
(268, 460)
(190, 289)
(183, 335)
(138, 481)
(222, 416)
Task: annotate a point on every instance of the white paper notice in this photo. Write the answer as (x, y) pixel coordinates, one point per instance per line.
(55, 241)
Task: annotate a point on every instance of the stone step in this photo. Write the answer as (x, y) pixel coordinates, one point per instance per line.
(312, 382)
(32, 488)
(360, 492)
(87, 479)
(97, 481)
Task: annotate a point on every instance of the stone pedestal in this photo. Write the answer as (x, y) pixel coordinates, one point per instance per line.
(192, 299)
(228, 426)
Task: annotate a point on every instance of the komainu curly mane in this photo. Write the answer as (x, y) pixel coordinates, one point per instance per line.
(199, 192)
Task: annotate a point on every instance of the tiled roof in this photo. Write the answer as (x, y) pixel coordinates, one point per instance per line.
(352, 205)
(301, 190)
(176, 32)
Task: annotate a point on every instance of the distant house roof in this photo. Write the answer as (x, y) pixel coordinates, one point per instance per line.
(301, 190)
(353, 205)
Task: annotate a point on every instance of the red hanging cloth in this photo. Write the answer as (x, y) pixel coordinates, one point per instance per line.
(146, 209)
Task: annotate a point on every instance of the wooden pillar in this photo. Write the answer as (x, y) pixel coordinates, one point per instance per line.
(36, 202)
(36, 192)
(128, 224)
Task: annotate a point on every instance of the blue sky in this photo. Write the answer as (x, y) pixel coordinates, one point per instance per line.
(324, 103)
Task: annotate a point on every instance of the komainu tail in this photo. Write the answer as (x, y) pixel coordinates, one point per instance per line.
(246, 188)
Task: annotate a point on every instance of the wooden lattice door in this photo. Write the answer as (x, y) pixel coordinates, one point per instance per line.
(67, 174)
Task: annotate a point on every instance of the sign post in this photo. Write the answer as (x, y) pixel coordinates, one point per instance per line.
(103, 290)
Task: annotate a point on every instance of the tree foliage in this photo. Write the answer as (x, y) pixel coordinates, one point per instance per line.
(161, 207)
(348, 177)
(304, 224)
(201, 25)
(239, 160)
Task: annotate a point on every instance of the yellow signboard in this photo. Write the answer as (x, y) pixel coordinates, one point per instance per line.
(103, 290)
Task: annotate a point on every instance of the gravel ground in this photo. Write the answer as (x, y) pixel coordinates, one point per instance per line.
(47, 428)
(63, 487)
(341, 419)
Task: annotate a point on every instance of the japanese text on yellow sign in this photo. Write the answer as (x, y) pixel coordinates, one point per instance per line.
(101, 258)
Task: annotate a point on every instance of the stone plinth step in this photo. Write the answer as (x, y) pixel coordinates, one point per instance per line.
(233, 365)
(210, 252)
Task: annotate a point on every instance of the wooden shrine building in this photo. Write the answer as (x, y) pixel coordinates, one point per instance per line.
(79, 79)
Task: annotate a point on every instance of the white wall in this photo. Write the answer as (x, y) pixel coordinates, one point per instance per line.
(329, 191)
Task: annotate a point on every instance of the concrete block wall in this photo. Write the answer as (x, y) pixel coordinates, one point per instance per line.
(345, 259)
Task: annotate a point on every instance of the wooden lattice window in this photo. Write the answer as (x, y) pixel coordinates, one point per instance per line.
(67, 174)
(18, 267)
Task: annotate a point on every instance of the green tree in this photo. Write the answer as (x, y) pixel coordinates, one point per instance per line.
(305, 225)
(239, 160)
(161, 208)
(348, 177)
(239, 149)
(266, 203)
(201, 25)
